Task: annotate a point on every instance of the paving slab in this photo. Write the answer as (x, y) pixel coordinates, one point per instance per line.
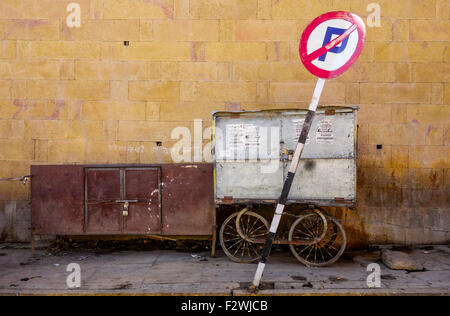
(169, 272)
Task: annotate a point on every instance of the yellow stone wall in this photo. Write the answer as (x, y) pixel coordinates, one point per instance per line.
(76, 95)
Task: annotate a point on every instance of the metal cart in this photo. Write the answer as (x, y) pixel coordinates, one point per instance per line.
(253, 151)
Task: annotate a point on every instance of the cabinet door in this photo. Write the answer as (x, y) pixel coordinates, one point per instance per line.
(123, 201)
(142, 187)
(188, 200)
(103, 190)
(57, 197)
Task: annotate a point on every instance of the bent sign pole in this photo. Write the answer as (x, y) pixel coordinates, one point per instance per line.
(325, 58)
(288, 182)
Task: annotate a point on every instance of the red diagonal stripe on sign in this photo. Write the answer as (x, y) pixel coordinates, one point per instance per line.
(316, 54)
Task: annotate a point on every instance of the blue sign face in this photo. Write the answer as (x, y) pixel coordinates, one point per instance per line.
(329, 36)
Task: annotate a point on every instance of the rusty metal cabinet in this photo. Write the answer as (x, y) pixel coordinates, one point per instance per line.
(166, 199)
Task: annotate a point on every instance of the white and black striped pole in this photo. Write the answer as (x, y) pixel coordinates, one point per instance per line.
(288, 182)
(330, 44)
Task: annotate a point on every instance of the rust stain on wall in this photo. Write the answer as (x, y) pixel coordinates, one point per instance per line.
(168, 10)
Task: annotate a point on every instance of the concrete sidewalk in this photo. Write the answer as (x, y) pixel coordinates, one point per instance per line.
(169, 272)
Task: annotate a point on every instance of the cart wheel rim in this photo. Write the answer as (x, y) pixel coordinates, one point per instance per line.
(323, 253)
(237, 249)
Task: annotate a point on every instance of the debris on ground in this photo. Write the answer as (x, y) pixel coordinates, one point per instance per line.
(337, 279)
(308, 285)
(28, 279)
(199, 258)
(263, 286)
(123, 286)
(64, 246)
(298, 278)
(29, 261)
(397, 260)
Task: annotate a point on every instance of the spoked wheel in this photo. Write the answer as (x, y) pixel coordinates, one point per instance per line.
(319, 252)
(237, 249)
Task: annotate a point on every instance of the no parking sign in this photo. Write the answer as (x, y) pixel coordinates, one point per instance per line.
(329, 46)
(332, 43)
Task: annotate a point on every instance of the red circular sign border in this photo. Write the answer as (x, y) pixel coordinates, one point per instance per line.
(351, 17)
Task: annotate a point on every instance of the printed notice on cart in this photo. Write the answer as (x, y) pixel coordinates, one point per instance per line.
(298, 124)
(242, 138)
(324, 134)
